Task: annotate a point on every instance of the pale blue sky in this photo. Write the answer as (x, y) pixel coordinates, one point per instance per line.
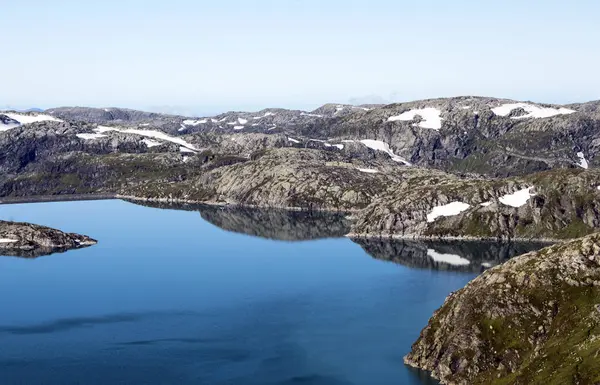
(210, 56)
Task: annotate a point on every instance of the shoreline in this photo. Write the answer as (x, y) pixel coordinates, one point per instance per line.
(133, 198)
(56, 198)
(465, 238)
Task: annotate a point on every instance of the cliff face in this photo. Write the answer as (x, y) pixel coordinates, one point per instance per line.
(29, 240)
(532, 320)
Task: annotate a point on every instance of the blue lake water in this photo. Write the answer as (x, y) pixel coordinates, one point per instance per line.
(166, 297)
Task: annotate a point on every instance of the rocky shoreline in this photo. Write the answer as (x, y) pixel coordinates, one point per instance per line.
(533, 320)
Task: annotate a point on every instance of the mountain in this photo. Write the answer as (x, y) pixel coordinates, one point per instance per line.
(456, 167)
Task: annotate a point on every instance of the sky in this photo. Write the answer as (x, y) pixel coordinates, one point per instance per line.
(212, 56)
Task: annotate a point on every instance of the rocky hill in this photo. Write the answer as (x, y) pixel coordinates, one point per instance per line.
(466, 166)
(532, 320)
(30, 241)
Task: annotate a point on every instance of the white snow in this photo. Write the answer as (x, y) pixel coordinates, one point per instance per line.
(448, 210)
(214, 120)
(186, 150)
(451, 259)
(465, 107)
(186, 158)
(381, 146)
(238, 127)
(485, 204)
(361, 108)
(232, 123)
(144, 124)
(339, 146)
(518, 198)
(532, 110)
(347, 141)
(431, 117)
(264, 116)
(293, 140)
(272, 128)
(151, 143)
(255, 124)
(338, 109)
(313, 115)
(148, 133)
(583, 163)
(6, 127)
(8, 240)
(26, 119)
(90, 136)
(242, 121)
(189, 122)
(487, 265)
(368, 170)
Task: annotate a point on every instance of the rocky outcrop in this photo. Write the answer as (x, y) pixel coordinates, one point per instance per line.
(283, 178)
(29, 240)
(532, 320)
(562, 205)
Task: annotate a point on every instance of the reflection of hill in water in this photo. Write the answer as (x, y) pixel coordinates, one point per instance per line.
(34, 253)
(269, 223)
(472, 256)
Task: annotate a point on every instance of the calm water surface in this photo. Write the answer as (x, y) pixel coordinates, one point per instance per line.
(168, 297)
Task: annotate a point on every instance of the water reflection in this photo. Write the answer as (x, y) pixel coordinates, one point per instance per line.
(467, 256)
(283, 225)
(35, 252)
(470, 256)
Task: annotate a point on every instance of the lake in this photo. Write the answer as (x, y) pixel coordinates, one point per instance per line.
(206, 295)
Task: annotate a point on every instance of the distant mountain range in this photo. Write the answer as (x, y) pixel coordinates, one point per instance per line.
(391, 164)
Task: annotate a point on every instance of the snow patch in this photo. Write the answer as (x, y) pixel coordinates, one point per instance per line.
(189, 122)
(8, 240)
(312, 115)
(27, 119)
(242, 121)
(518, 198)
(532, 110)
(451, 259)
(293, 140)
(148, 133)
(485, 204)
(264, 116)
(361, 108)
(447, 210)
(90, 136)
(431, 117)
(238, 127)
(384, 147)
(368, 170)
(151, 143)
(583, 163)
(186, 150)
